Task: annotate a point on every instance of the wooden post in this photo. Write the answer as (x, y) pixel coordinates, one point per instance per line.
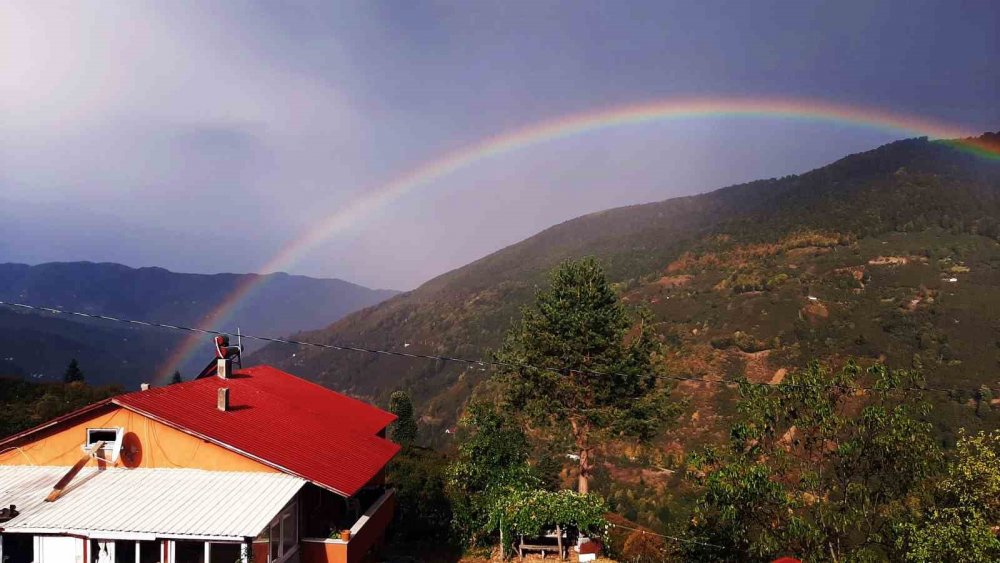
(559, 541)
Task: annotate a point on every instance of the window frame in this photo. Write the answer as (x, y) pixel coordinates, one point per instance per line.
(289, 512)
(112, 448)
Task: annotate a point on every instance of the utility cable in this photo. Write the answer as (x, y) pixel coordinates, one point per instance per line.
(674, 538)
(482, 364)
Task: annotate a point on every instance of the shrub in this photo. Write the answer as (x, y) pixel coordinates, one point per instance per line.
(641, 547)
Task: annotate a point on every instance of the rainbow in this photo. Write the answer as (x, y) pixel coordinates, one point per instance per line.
(561, 128)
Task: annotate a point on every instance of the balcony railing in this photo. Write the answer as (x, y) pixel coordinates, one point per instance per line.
(366, 533)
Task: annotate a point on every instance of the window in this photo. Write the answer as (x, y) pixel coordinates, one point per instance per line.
(112, 438)
(17, 548)
(289, 536)
(107, 435)
(124, 551)
(225, 552)
(275, 540)
(188, 552)
(149, 552)
(282, 534)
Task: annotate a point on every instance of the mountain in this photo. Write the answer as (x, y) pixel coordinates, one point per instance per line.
(41, 344)
(853, 258)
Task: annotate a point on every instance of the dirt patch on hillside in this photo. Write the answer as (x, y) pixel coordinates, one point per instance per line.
(674, 281)
(815, 312)
(807, 251)
(889, 261)
(856, 272)
(656, 477)
(778, 376)
(756, 366)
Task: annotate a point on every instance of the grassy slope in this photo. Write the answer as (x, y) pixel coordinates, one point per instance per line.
(916, 196)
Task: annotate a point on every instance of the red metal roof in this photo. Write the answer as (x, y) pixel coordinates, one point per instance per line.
(281, 420)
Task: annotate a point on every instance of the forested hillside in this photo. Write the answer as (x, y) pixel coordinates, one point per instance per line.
(857, 257)
(41, 345)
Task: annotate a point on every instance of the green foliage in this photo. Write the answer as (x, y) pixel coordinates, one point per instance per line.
(492, 461)
(533, 512)
(423, 508)
(816, 469)
(968, 505)
(25, 404)
(576, 330)
(73, 373)
(747, 343)
(403, 430)
(950, 534)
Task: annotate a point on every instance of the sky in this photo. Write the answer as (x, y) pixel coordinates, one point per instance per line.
(208, 136)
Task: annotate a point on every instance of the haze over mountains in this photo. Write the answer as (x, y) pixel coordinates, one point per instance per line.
(42, 345)
(854, 258)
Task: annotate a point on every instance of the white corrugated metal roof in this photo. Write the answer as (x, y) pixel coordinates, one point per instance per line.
(146, 503)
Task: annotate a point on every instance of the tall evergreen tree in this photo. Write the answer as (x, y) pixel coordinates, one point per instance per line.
(404, 430)
(73, 372)
(600, 370)
(176, 378)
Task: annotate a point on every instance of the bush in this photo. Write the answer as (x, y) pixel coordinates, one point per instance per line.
(641, 547)
(424, 510)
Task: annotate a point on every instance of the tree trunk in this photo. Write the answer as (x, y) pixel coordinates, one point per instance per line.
(581, 434)
(585, 465)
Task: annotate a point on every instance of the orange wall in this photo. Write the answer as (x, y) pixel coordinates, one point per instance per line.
(147, 443)
(322, 552)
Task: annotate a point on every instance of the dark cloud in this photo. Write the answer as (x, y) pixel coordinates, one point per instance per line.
(172, 134)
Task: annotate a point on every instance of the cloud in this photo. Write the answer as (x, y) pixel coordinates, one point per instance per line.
(170, 133)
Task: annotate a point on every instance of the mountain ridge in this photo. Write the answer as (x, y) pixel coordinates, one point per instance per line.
(120, 354)
(911, 186)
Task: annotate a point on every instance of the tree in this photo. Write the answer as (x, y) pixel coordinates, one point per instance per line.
(73, 372)
(423, 511)
(176, 378)
(492, 461)
(598, 366)
(968, 504)
(818, 468)
(404, 430)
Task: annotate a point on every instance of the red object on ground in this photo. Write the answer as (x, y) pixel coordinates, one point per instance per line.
(787, 560)
(592, 546)
(280, 420)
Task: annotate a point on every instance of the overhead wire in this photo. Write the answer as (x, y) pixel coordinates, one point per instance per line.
(674, 538)
(480, 363)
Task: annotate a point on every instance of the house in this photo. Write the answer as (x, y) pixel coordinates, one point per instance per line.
(252, 465)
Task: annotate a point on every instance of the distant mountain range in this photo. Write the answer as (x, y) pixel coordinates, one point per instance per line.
(41, 345)
(890, 253)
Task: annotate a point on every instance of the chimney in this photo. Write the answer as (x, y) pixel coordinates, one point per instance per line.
(224, 368)
(223, 399)
(144, 387)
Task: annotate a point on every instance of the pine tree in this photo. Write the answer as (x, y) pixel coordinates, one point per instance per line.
(404, 430)
(176, 377)
(73, 372)
(600, 378)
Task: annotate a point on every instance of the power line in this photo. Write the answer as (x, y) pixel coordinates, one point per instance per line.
(482, 364)
(674, 538)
